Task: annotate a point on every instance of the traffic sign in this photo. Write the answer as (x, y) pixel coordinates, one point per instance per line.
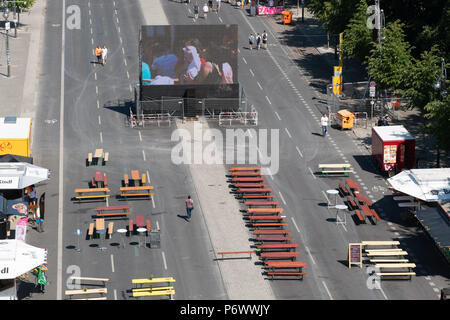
(372, 92)
(7, 25)
(372, 83)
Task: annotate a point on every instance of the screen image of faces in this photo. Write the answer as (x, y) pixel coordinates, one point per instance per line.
(189, 54)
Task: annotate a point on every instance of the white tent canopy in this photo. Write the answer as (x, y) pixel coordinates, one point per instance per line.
(17, 258)
(424, 184)
(19, 175)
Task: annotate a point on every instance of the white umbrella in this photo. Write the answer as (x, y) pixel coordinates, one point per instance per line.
(18, 257)
(19, 175)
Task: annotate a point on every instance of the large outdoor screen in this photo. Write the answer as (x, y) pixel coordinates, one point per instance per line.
(189, 55)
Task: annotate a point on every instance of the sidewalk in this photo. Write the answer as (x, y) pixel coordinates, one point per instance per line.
(307, 43)
(19, 91)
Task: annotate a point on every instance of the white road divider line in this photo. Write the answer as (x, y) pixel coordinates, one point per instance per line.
(312, 173)
(251, 71)
(278, 116)
(328, 291)
(282, 198)
(259, 85)
(310, 255)
(164, 260)
(101, 137)
(267, 98)
(244, 60)
(299, 152)
(143, 154)
(112, 263)
(288, 133)
(140, 136)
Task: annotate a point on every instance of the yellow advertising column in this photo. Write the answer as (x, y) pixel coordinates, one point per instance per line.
(337, 80)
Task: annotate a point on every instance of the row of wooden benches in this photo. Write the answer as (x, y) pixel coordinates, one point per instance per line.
(266, 220)
(95, 193)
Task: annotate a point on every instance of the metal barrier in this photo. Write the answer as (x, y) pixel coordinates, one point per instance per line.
(360, 119)
(238, 118)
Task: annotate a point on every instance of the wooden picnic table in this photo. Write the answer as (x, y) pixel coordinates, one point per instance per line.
(98, 153)
(135, 175)
(140, 221)
(100, 224)
(285, 264)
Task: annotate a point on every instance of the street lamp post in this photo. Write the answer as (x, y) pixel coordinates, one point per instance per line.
(440, 84)
(6, 15)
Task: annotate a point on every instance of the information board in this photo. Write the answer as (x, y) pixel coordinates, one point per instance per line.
(354, 254)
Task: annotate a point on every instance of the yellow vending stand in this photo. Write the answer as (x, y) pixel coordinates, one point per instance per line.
(15, 136)
(287, 17)
(345, 119)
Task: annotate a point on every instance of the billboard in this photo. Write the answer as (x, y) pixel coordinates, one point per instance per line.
(189, 55)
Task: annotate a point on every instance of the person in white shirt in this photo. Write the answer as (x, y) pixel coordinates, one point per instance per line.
(205, 11)
(192, 58)
(324, 124)
(104, 54)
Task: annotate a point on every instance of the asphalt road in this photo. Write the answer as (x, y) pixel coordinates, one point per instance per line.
(96, 100)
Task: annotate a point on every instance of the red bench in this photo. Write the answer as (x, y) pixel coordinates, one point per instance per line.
(271, 231)
(250, 185)
(245, 168)
(285, 265)
(360, 216)
(100, 211)
(264, 210)
(262, 196)
(352, 202)
(262, 203)
(256, 218)
(283, 246)
(247, 179)
(254, 190)
(375, 214)
(245, 174)
(352, 184)
(269, 224)
(93, 184)
(130, 227)
(279, 255)
(343, 189)
(270, 239)
(148, 225)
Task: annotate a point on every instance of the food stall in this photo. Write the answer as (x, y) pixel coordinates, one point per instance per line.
(15, 136)
(393, 148)
(345, 119)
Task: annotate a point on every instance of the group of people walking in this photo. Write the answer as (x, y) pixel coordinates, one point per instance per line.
(101, 54)
(257, 41)
(207, 7)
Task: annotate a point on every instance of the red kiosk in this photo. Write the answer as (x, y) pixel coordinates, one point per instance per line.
(393, 148)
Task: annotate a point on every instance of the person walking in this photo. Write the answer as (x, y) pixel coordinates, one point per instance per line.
(264, 39)
(258, 41)
(218, 6)
(205, 11)
(189, 206)
(251, 41)
(98, 54)
(104, 54)
(324, 124)
(196, 11)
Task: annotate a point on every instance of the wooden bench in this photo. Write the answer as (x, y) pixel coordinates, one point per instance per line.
(256, 225)
(262, 203)
(93, 184)
(110, 229)
(126, 194)
(273, 274)
(276, 246)
(144, 179)
(236, 253)
(152, 289)
(352, 185)
(388, 260)
(380, 243)
(384, 250)
(245, 174)
(254, 190)
(130, 227)
(91, 230)
(279, 255)
(126, 180)
(264, 210)
(352, 202)
(387, 253)
(272, 265)
(250, 185)
(104, 280)
(262, 196)
(106, 158)
(234, 169)
(248, 179)
(273, 239)
(81, 193)
(153, 293)
(152, 281)
(257, 218)
(271, 231)
(382, 274)
(395, 265)
(89, 159)
(71, 293)
(335, 168)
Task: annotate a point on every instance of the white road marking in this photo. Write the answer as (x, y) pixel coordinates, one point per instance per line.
(257, 82)
(95, 75)
(128, 75)
(157, 225)
(310, 255)
(288, 133)
(143, 154)
(98, 104)
(140, 136)
(115, 294)
(96, 90)
(123, 50)
(164, 259)
(299, 152)
(267, 98)
(278, 116)
(251, 71)
(131, 89)
(295, 225)
(312, 173)
(328, 291)
(99, 121)
(125, 62)
(282, 198)
(101, 137)
(112, 263)
(244, 60)
(61, 160)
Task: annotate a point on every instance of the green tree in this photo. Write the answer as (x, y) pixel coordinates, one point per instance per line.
(438, 112)
(357, 36)
(389, 64)
(334, 14)
(25, 5)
